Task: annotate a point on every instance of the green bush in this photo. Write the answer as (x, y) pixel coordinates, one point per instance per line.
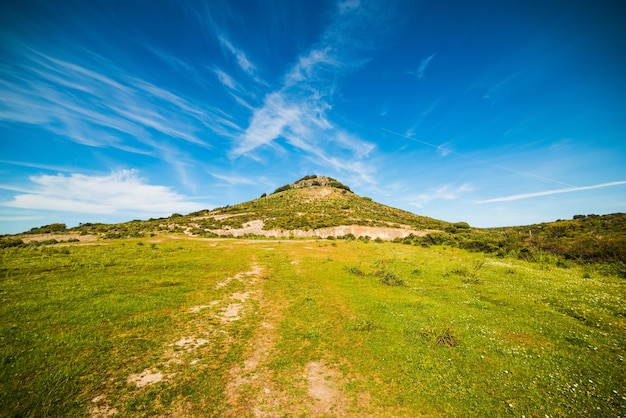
(282, 188)
(48, 229)
(11, 242)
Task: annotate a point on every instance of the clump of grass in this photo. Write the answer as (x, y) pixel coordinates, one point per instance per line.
(390, 279)
(447, 337)
(354, 270)
(386, 277)
(469, 275)
(364, 325)
(587, 273)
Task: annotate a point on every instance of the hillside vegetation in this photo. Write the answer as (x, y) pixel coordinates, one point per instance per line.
(314, 205)
(588, 240)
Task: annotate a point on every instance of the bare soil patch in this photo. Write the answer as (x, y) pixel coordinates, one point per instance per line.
(232, 312)
(191, 343)
(145, 378)
(101, 408)
(326, 397)
(196, 309)
(387, 233)
(59, 237)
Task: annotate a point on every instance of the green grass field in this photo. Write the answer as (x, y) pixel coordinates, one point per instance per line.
(190, 327)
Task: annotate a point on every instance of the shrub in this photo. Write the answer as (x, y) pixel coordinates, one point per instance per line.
(282, 188)
(48, 229)
(526, 254)
(439, 238)
(11, 242)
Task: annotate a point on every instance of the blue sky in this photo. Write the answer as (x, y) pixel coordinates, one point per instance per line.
(491, 112)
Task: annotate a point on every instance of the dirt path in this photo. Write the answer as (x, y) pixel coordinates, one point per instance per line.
(250, 388)
(326, 397)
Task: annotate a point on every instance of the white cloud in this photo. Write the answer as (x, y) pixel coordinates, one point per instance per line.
(551, 192)
(9, 218)
(122, 191)
(268, 123)
(299, 111)
(444, 150)
(236, 179)
(241, 58)
(445, 192)
(423, 66)
(225, 79)
(310, 65)
(104, 108)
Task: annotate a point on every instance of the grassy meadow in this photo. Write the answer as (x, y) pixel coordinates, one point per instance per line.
(209, 327)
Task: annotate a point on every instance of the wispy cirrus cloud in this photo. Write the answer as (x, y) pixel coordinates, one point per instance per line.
(119, 192)
(85, 98)
(240, 56)
(299, 111)
(107, 107)
(236, 179)
(421, 70)
(444, 149)
(552, 192)
(445, 192)
(225, 79)
(234, 88)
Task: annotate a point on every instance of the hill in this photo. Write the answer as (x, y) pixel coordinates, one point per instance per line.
(314, 206)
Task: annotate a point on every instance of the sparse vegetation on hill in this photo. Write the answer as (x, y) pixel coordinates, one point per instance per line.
(323, 206)
(591, 239)
(316, 202)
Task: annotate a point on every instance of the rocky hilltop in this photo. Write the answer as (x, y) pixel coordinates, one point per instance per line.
(314, 206)
(319, 181)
